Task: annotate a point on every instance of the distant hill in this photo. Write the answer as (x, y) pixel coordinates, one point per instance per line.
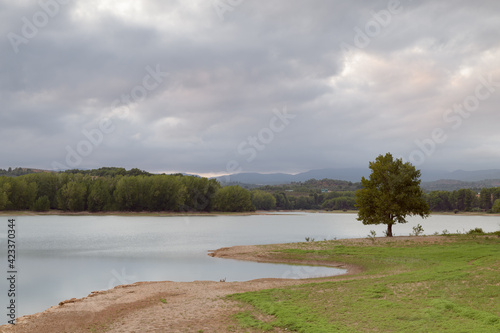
(451, 184)
(353, 175)
(20, 172)
(431, 179)
(465, 176)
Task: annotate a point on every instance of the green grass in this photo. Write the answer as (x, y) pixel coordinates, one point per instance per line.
(247, 320)
(406, 287)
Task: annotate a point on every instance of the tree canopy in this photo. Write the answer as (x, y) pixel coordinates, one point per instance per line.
(233, 199)
(391, 193)
(496, 206)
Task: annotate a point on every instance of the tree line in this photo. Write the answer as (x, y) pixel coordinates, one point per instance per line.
(465, 200)
(78, 192)
(15, 172)
(116, 189)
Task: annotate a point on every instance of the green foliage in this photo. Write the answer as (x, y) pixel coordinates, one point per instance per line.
(372, 235)
(496, 206)
(163, 193)
(4, 200)
(303, 202)
(17, 172)
(42, 204)
(282, 201)
(4, 193)
(110, 172)
(199, 193)
(475, 231)
(417, 230)
(48, 184)
(233, 199)
(313, 185)
(391, 193)
(485, 197)
(340, 203)
(247, 320)
(440, 201)
(263, 200)
(22, 194)
(72, 196)
(72, 191)
(99, 198)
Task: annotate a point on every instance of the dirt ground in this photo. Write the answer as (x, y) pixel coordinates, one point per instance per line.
(167, 306)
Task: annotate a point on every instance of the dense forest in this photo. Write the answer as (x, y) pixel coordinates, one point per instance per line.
(70, 191)
(116, 189)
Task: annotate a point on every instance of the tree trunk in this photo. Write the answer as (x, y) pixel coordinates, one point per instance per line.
(389, 230)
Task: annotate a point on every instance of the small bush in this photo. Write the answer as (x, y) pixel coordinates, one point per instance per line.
(372, 235)
(418, 230)
(476, 231)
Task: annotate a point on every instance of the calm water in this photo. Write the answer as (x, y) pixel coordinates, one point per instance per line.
(61, 257)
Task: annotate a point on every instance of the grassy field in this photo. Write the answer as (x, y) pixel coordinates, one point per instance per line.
(435, 284)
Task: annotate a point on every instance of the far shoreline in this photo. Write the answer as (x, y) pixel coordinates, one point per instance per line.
(172, 214)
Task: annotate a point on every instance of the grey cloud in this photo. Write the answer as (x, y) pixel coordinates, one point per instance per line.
(227, 76)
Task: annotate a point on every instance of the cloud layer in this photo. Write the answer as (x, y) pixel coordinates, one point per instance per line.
(194, 86)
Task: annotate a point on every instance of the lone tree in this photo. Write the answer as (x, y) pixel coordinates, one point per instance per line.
(391, 193)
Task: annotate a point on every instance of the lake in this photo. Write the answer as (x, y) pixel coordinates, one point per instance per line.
(61, 257)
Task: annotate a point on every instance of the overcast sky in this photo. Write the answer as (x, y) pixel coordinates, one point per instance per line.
(212, 87)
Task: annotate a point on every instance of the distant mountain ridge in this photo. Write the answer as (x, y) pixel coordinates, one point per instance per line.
(348, 174)
(353, 175)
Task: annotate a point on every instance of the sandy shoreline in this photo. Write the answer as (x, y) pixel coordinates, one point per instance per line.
(167, 306)
(162, 306)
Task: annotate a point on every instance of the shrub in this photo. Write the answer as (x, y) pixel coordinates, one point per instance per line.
(476, 231)
(372, 235)
(418, 230)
